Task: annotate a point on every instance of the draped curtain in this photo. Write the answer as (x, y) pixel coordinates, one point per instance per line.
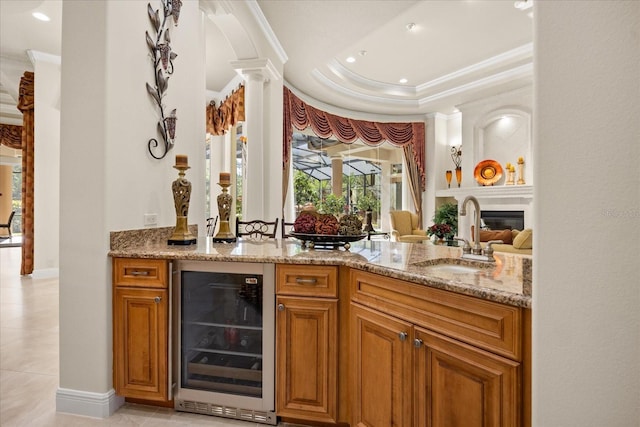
(409, 136)
(11, 136)
(26, 105)
(229, 113)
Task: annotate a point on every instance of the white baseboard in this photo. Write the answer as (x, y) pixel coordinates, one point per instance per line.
(86, 403)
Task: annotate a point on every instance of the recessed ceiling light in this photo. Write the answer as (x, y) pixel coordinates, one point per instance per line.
(351, 59)
(403, 80)
(41, 16)
(523, 4)
(411, 26)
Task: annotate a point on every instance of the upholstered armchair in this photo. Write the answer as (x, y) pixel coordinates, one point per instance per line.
(404, 227)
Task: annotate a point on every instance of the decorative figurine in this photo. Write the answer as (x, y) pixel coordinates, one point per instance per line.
(224, 209)
(181, 195)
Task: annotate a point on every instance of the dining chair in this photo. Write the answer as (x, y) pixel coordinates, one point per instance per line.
(286, 228)
(211, 225)
(256, 229)
(8, 224)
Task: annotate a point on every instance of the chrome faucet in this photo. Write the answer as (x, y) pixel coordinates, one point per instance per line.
(476, 249)
(476, 252)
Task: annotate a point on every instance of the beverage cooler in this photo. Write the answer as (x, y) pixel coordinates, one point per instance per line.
(224, 326)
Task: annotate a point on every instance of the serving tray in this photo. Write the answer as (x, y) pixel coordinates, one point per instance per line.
(327, 240)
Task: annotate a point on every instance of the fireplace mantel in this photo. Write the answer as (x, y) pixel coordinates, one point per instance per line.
(502, 197)
(490, 192)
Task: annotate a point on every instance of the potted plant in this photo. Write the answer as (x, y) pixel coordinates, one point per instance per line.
(441, 231)
(446, 213)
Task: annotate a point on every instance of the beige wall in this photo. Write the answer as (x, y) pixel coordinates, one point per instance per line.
(5, 192)
(586, 294)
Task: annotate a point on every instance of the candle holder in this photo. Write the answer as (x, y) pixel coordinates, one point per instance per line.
(448, 175)
(181, 195)
(224, 208)
(520, 171)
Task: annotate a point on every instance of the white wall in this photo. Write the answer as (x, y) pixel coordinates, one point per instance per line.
(108, 181)
(47, 162)
(586, 296)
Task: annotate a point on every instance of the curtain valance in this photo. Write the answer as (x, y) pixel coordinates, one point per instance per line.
(229, 113)
(11, 136)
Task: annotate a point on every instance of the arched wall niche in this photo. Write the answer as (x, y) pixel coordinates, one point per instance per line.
(505, 134)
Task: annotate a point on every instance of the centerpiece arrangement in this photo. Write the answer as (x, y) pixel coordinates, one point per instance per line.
(324, 229)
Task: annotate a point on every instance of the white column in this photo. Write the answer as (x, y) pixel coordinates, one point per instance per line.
(385, 197)
(108, 181)
(263, 180)
(254, 191)
(47, 162)
(336, 176)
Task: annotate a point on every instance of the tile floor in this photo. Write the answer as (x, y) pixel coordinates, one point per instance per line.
(29, 361)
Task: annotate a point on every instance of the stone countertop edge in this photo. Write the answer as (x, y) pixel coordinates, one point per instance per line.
(151, 244)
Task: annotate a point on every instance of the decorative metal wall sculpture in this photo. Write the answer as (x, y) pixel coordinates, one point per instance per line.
(163, 58)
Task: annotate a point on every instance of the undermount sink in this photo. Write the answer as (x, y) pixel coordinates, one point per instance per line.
(453, 269)
(453, 266)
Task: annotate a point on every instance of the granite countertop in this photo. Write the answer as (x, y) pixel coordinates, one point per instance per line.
(507, 281)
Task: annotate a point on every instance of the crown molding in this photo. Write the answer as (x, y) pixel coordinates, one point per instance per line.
(373, 85)
(266, 30)
(517, 72)
(522, 52)
(324, 80)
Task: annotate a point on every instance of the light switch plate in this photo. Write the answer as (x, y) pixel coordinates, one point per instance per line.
(150, 219)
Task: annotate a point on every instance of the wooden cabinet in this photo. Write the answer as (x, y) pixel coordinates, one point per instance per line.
(458, 385)
(381, 369)
(307, 343)
(452, 361)
(140, 328)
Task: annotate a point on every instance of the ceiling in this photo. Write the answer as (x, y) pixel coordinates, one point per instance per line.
(457, 51)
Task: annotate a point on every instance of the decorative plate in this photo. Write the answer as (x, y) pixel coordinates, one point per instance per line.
(488, 172)
(327, 240)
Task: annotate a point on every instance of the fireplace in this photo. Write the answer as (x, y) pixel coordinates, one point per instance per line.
(500, 220)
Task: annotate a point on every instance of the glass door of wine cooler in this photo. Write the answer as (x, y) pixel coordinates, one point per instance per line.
(224, 348)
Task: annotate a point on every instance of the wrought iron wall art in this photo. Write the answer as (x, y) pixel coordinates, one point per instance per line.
(163, 57)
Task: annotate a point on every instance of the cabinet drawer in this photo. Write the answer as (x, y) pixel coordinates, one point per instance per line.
(307, 280)
(140, 273)
(485, 324)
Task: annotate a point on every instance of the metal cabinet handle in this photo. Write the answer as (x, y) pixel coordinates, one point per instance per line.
(157, 299)
(402, 336)
(139, 273)
(280, 307)
(302, 281)
(417, 343)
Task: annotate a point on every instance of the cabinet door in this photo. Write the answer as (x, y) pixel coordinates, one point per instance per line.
(381, 380)
(458, 385)
(307, 358)
(140, 343)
